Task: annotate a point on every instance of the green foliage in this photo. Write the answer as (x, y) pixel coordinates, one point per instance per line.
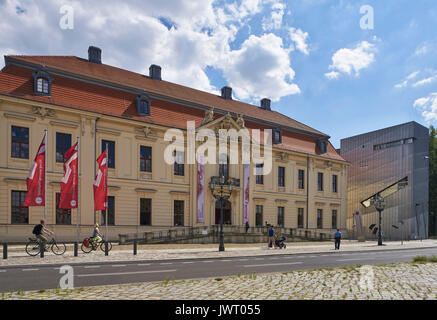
(425, 259)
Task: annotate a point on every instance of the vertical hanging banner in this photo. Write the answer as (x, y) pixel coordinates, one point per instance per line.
(100, 184)
(69, 182)
(36, 179)
(200, 188)
(246, 192)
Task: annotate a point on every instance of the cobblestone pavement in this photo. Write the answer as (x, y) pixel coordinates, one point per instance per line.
(17, 255)
(406, 281)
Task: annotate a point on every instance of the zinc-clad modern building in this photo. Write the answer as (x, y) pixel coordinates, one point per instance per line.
(130, 113)
(379, 159)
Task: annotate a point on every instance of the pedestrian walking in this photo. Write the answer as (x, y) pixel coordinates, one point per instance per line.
(337, 238)
(271, 234)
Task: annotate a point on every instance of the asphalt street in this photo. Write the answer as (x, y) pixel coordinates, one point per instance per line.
(38, 277)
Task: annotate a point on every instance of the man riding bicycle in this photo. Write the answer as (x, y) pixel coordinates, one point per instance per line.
(38, 231)
(97, 236)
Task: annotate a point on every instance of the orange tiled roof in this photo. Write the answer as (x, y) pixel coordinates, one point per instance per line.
(16, 81)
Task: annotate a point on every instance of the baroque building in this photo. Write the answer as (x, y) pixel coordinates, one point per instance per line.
(130, 113)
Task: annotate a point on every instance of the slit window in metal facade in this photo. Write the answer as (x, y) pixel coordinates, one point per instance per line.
(391, 144)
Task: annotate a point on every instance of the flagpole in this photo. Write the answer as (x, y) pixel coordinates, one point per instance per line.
(78, 193)
(106, 192)
(45, 175)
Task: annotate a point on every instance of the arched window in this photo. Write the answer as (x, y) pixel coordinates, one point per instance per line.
(42, 83)
(143, 105)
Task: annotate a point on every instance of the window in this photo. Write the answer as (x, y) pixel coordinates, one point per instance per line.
(63, 143)
(223, 166)
(145, 159)
(281, 216)
(179, 163)
(20, 142)
(281, 176)
(145, 212)
(259, 173)
(334, 219)
(111, 152)
(19, 213)
(301, 181)
(277, 136)
(111, 212)
(178, 212)
(42, 83)
(63, 216)
(300, 217)
(323, 145)
(320, 181)
(259, 216)
(143, 105)
(334, 183)
(319, 219)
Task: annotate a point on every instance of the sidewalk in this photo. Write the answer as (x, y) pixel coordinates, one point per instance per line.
(17, 255)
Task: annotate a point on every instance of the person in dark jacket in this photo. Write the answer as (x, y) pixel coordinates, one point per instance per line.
(271, 234)
(247, 226)
(337, 238)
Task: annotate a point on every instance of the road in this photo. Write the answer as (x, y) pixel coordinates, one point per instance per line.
(37, 277)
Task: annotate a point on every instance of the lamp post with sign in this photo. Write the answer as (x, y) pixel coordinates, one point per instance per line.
(221, 189)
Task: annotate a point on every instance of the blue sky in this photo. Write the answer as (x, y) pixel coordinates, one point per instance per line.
(311, 57)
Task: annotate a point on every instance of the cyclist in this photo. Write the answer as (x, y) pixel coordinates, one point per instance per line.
(38, 231)
(97, 236)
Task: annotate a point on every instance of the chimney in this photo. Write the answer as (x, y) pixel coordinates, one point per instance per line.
(227, 93)
(94, 55)
(265, 104)
(155, 72)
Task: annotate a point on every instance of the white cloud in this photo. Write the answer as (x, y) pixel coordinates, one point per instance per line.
(409, 77)
(332, 75)
(299, 38)
(351, 61)
(428, 106)
(261, 68)
(274, 21)
(424, 81)
(197, 35)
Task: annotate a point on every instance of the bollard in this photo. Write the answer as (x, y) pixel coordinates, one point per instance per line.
(135, 247)
(75, 249)
(106, 248)
(41, 250)
(5, 250)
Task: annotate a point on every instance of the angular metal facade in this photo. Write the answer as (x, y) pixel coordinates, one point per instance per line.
(379, 159)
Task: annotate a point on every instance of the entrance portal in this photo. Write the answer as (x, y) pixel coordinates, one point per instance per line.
(226, 212)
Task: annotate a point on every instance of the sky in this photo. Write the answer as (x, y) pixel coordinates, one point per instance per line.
(341, 67)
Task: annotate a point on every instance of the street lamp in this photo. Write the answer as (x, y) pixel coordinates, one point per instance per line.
(379, 204)
(221, 189)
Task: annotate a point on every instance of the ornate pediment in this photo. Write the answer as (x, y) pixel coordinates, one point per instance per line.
(43, 112)
(225, 122)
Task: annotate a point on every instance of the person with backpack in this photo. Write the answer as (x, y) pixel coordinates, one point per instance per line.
(38, 231)
(337, 238)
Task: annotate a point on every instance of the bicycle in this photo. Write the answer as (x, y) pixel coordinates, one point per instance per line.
(33, 247)
(88, 246)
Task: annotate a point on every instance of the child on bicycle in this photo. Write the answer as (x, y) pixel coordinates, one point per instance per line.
(97, 236)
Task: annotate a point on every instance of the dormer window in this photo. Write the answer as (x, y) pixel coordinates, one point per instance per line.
(42, 83)
(277, 136)
(143, 106)
(323, 145)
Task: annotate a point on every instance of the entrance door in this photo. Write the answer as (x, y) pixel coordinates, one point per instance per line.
(226, 212)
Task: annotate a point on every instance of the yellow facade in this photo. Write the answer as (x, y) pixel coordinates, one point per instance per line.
(128, 184)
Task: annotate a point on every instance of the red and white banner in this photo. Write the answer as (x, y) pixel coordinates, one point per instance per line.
(69, 183)
(100, 184)
(246, 192)
(37, 178)
(200, 187)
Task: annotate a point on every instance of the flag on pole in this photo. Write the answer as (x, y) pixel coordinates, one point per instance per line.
(69, 183)
(100, 184)
(36, 179)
